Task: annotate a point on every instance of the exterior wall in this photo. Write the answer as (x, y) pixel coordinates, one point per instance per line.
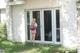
(9, 23)
(18, 26)
(3, 11)
(3, 15)
(68, 19)
(69, 23)
(31, 4)
(78, 26)
(18, 22)
(2, 4)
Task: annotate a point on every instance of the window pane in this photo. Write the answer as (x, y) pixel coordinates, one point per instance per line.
(58, 35)
(57, 19)
(47, 25)
(28, 25)
(58, 25)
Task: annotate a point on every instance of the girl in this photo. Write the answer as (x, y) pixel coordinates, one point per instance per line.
(33, 28)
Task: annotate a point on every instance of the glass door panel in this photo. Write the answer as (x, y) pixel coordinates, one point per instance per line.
(47, 25)
(57, 25)
(28, 25)
(36, 15)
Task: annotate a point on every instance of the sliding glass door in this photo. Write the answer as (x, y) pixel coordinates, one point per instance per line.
(30, 16)
(36, 15)
(48, 21)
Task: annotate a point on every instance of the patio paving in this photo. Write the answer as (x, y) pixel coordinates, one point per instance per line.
(2, 51)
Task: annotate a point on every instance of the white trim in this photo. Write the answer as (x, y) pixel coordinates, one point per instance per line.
(44, 42)
(25, 17)
(43, 23)
(36, 41)
(61, 34)
(54, 26)
(58, 28)
(44, 8)
(30, 24)
(52, 18)
(42, 26)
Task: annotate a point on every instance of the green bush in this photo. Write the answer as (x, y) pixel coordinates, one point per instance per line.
(3, 31)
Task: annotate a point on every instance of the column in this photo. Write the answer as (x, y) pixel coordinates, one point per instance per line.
(9, 22)
(68, 23)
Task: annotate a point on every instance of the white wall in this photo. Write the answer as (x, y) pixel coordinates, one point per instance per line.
(31, 4)
(69, 23)
(68, 19)
(3, 15)
(2, 3)
(78, 27)
(18, 26)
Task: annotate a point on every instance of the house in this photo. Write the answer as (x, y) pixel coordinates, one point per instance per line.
(56, 19)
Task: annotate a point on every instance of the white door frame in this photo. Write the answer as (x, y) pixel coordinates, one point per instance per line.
(30, 23)
(58, 28)
(43, 25)
(53, 14)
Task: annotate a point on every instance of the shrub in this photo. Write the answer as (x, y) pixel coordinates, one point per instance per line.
(3, 31)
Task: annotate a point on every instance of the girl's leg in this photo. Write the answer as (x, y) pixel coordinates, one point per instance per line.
(33, 38)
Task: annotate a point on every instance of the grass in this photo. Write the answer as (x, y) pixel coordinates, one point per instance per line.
(12, 47)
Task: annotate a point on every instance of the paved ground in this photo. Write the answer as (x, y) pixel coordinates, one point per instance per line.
(2, 51)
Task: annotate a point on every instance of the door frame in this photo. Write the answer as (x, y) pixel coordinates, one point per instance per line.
(60, 26)
(51, 26)
(53, 14)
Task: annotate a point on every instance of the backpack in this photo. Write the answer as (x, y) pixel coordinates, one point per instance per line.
(33, 27)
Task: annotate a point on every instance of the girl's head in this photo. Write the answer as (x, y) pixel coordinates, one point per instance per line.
(34, 19)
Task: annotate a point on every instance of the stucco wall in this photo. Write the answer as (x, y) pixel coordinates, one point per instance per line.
(3, 15)
(18, 26)
(69, 23)
(68, 19)
(31, 4)
(78, 27)
(2, 4)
